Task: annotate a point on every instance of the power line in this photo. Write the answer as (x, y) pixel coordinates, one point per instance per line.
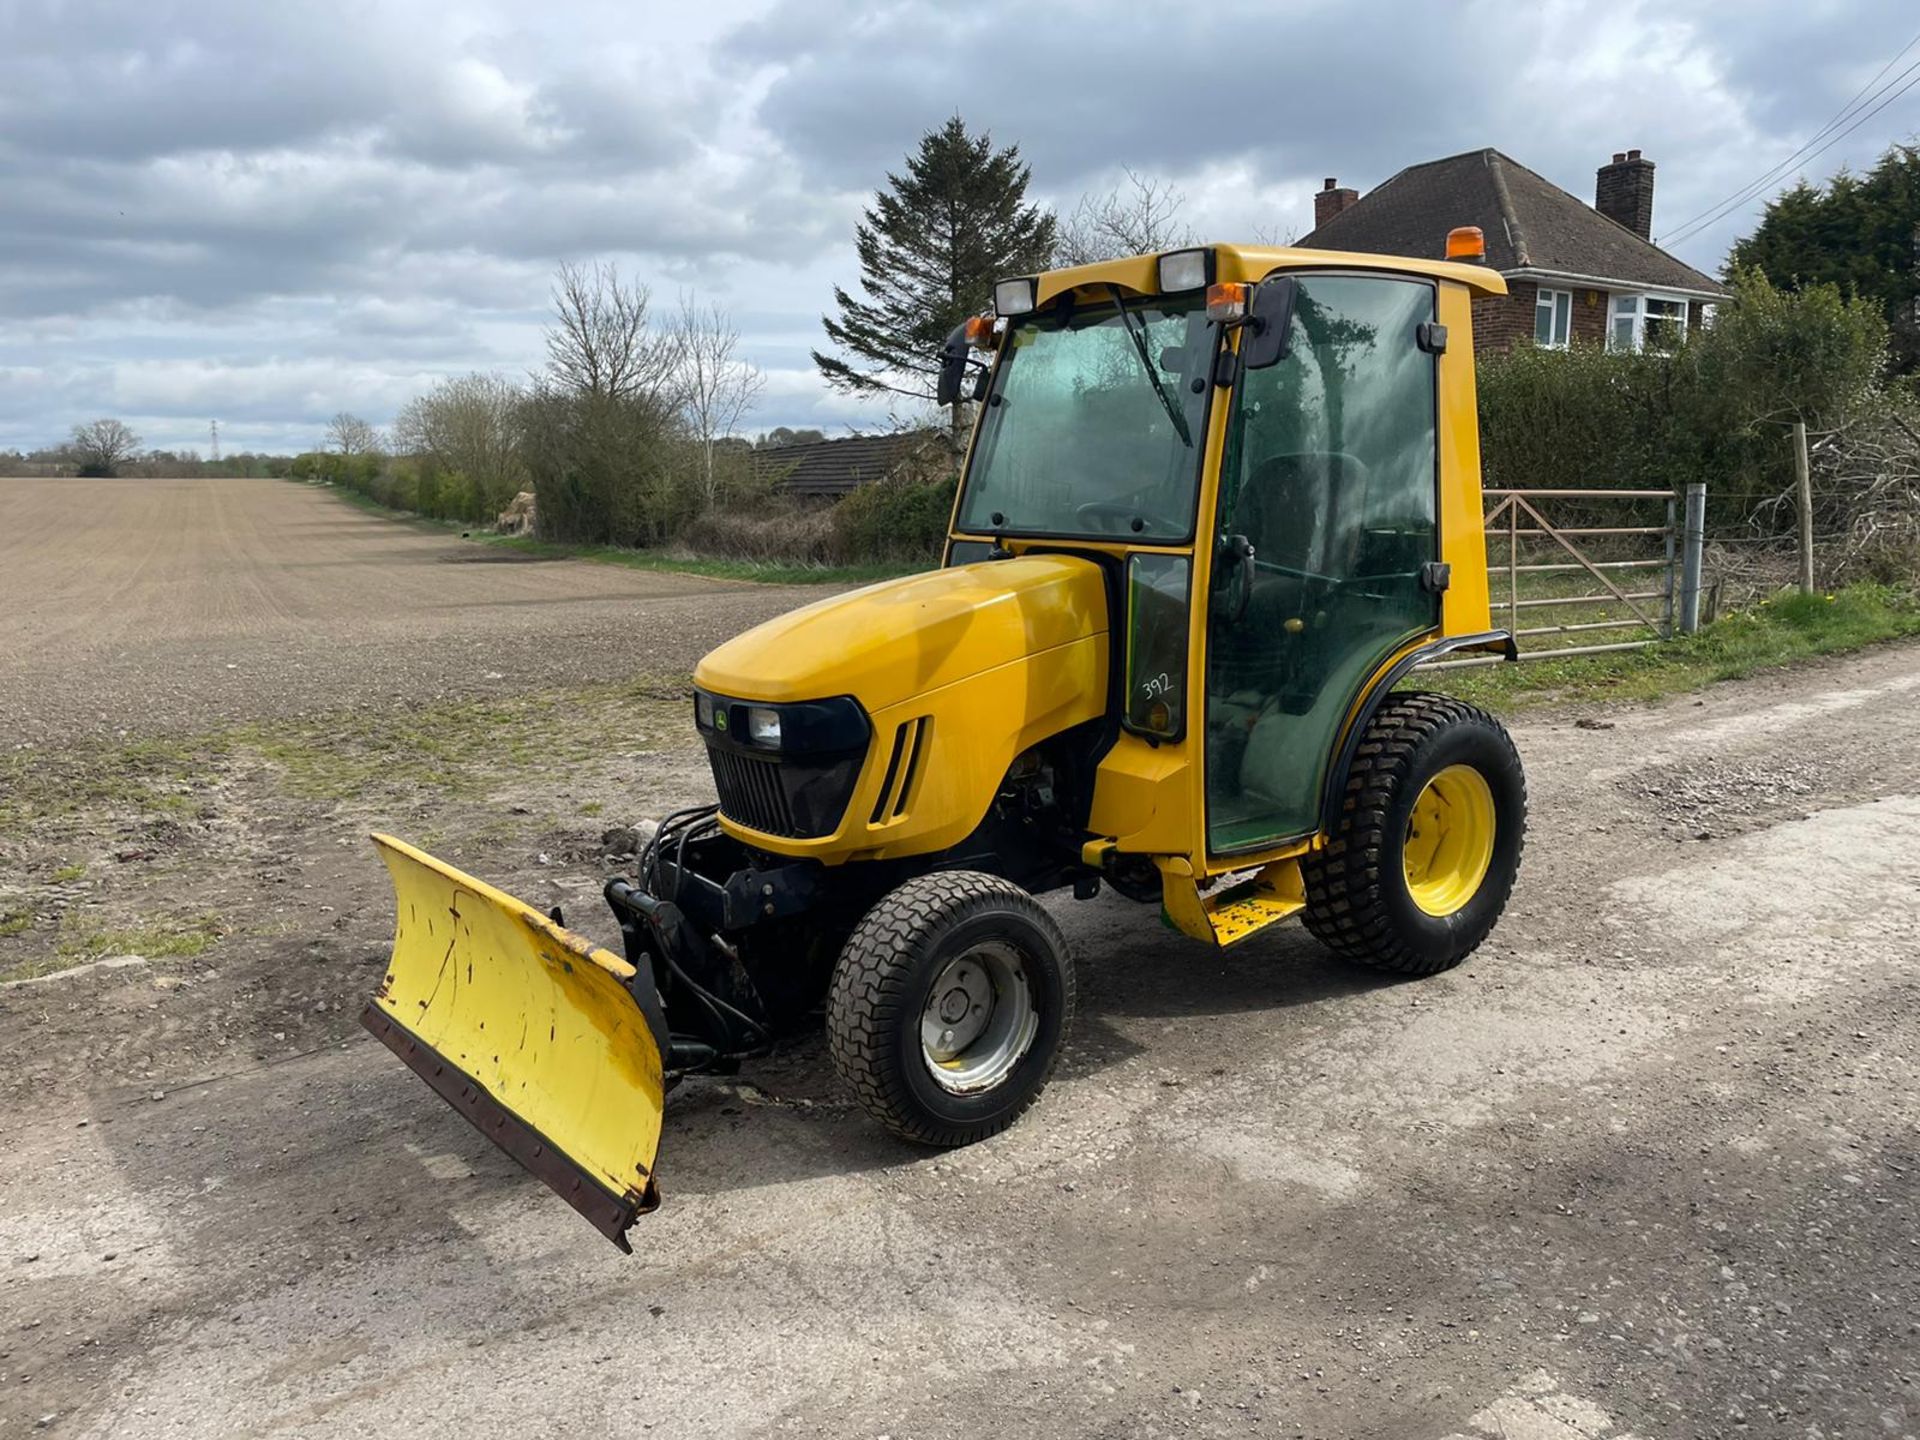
(1866, 116)
(1838, 116)
(1846, 112)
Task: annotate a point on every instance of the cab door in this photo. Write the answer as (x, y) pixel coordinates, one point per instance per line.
(1324, 532)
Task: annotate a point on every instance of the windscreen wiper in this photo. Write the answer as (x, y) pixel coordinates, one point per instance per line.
(1138, 332)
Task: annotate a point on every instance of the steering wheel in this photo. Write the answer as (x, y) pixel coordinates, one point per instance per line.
(1116, 510)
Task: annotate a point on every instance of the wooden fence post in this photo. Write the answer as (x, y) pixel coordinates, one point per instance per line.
(1803, 486)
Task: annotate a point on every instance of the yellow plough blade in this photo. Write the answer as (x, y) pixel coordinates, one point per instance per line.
(528, 1030)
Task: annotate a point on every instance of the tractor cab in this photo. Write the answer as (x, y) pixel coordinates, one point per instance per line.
(1276, 453)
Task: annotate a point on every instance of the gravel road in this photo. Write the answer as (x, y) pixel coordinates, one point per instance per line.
(1643, 1167)
(163, 606)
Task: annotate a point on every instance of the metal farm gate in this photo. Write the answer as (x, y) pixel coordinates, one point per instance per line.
(1558, 580)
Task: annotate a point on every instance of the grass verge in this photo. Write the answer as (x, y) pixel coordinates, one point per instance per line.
(1776, 632)
(156, 778)
(761, 572)
(764, 572)
(164, 938)
(167, 937)
(456, 747)
(177, 803)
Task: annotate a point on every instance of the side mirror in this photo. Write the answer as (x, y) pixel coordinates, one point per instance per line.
(953, 367)
(1269, 334)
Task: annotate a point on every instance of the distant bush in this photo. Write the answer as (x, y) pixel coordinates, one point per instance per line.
(355, 472)
(771, 530)
(462, 439)
(608, 470)
(896, 519)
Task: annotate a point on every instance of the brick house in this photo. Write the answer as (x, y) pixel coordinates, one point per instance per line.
(1574, 272)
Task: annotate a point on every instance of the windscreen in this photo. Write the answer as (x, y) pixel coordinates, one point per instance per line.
(1095, 423)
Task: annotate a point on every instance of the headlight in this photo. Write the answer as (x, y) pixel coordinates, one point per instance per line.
(763, 725)
(795, 728)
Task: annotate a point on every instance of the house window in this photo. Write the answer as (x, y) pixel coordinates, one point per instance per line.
(1553, 319)
(1647, 322)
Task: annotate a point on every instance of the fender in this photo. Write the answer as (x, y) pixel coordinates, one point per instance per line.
(1336, 784)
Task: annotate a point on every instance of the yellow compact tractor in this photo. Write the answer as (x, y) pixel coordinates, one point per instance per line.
(1218, 504)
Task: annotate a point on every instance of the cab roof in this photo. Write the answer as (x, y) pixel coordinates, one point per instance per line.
(1139, 274)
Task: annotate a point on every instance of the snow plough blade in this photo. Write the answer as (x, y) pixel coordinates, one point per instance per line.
(528, 1030)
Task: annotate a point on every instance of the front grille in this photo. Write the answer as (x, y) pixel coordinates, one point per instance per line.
(751, 792)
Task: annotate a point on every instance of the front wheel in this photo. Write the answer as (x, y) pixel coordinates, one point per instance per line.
(949, 1006)
(1428, 843)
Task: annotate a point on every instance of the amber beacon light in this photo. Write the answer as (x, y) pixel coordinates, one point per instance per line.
(1466, 242)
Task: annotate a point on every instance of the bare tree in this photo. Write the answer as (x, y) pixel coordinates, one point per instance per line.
(599, 344)
(469, 424)
(102, 446)
(350, 435)
(1137, 220)
(603, 431)
(716, 387)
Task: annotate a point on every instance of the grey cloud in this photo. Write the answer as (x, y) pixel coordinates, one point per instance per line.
(1083, 90)
(1298, 93)
(277, 210)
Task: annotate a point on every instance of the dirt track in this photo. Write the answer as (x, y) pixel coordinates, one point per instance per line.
(1643, 1167)
(171, 605)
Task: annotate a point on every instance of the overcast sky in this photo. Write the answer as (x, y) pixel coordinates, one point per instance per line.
(268, 212)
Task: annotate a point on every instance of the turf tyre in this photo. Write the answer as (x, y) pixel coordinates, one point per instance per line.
(882, 982)
(1359, 904)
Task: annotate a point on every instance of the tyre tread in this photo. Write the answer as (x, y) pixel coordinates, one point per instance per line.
(1344, 881)
(872, 980)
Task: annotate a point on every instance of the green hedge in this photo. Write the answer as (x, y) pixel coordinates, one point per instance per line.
(900, 519)
(1719, 410)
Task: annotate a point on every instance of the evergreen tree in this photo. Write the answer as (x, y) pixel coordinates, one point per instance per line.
(1861, 233)
(931, 245)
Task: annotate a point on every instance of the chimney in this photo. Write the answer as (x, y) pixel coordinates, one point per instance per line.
(1332, 199)
(1623, 192)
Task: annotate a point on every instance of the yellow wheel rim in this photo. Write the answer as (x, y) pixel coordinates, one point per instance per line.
(1449, 840)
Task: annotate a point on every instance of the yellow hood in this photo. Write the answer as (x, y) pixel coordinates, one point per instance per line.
(901, 638)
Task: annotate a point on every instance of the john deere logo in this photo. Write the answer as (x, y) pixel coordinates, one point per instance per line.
(719, 719)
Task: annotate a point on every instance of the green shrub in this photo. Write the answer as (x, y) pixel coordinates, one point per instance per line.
(608, 471)
(355, 472)
(900, 519)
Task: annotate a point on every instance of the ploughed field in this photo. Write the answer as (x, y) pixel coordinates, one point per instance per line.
(150, 606)
(1642, 1167)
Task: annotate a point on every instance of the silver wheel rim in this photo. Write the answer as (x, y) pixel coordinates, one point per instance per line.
(979, 1020)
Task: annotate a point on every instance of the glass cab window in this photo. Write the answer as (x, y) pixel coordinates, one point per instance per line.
(1330, 476)
(1094, 426)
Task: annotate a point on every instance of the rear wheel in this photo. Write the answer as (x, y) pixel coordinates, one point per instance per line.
(1428, 843)
(949, 1005)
